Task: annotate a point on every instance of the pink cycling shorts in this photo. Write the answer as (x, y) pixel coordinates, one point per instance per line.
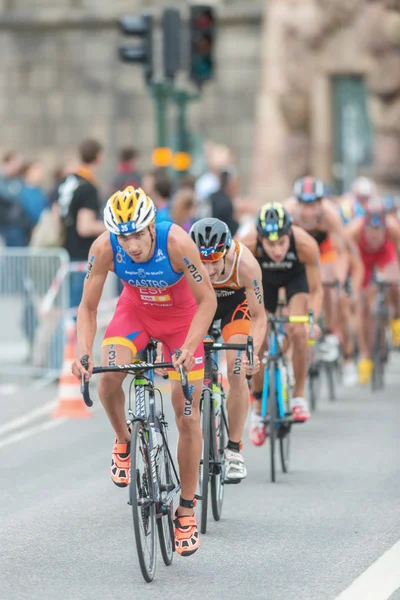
(132, 326)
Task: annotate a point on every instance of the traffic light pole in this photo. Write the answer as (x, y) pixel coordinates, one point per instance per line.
(181, 99)
(160, 96)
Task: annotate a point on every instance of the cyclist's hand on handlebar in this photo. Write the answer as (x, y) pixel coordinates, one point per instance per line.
(162, 372)
(317, 332)
(186, 359)
(246, 366)
(78, 369)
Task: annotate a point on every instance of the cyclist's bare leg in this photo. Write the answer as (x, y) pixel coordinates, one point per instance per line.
(391, 273)
(189, 441)
(257, 382)
(345, 326)
(329, 304)
(110, 389)
(239, 394)
(297, 332)
(363, 322)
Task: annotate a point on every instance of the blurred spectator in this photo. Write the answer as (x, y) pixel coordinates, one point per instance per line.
(162, 191)
(15, 227)
(79, 206)
(187, 181)
(128, 173)
(245, 209)
(59, 174)
(221, 203)
(181, 210)
(218, 157)
(32, 196)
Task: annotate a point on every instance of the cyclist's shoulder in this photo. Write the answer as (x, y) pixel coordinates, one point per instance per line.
(248, 266)
(306, 245)
(289, 204)
(247, 235)
(179, 243)
(102, 243)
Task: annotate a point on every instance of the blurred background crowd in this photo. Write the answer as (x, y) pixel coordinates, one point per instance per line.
(25, 195)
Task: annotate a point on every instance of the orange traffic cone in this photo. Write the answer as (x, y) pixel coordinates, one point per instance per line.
(70, 401)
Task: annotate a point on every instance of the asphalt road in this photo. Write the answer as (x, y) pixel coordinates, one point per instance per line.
(66, 531)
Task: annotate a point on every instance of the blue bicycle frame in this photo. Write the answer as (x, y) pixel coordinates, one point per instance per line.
(274, 357)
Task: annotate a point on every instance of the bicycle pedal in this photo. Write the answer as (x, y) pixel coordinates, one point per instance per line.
(230, 481)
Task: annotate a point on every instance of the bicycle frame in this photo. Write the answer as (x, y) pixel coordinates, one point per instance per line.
(275, 356)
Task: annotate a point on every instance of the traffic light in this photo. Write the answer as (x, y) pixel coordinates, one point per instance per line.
(202, 38)
(141, 27)
(171, 25)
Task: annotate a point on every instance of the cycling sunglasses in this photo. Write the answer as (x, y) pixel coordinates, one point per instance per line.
(210, 254)
(308, 198)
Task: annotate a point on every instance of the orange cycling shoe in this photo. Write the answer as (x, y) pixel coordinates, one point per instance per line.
(187, 539)
(120, 463)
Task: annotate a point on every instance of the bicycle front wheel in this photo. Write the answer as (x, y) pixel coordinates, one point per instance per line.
(165, 524)
(205, 463)
(273, 415)
(218, 476)
(142, 501)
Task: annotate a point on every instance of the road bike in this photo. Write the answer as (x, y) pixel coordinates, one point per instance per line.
(380, 346)
(153, 477)
(215, 426)
(276, 393)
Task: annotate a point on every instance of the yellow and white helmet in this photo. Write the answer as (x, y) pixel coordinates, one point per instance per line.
(129, 211)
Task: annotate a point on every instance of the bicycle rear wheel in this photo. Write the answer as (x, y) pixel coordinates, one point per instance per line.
(314, 385)
(285, 431)
(218, 476)
(330, 369)
(378, 357)
(165, 525)
(273, 415)
(205, 462)
(142, 500)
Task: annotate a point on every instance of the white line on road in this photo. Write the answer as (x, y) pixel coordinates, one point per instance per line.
(17, 437)
(379, 581)
(26, 418)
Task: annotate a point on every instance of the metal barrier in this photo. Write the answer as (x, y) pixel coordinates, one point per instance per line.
(32, 340)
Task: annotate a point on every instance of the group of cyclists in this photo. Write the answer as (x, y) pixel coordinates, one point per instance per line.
(176, 284)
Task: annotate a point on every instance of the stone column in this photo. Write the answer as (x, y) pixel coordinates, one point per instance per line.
(269, 180)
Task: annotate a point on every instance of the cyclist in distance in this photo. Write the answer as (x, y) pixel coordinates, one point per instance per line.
(236, 278)
(315, 213)
(167, 295)
(377, 236)
(289, 258)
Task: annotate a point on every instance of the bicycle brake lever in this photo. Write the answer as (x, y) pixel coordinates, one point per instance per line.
(85, 384)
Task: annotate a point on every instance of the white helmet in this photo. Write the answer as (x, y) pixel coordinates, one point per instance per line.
(128, 211)
(362, 186)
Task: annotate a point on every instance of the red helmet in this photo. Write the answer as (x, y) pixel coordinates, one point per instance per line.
(309, 189)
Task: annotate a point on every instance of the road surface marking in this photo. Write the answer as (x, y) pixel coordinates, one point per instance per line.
(7, 389)
(379, 581)
(17, 437)
(27, 417)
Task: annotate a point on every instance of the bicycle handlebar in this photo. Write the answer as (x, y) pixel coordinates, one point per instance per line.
(248, 347)
(136, 367)
(296, 319)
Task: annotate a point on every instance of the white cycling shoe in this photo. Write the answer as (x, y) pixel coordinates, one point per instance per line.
(350, 375)
(329, 348)
(235, 469)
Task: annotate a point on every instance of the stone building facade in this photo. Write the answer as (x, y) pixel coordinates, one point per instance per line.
(307, 46)
(61, 80)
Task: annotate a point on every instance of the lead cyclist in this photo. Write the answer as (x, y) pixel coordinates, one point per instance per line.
(167, 295)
